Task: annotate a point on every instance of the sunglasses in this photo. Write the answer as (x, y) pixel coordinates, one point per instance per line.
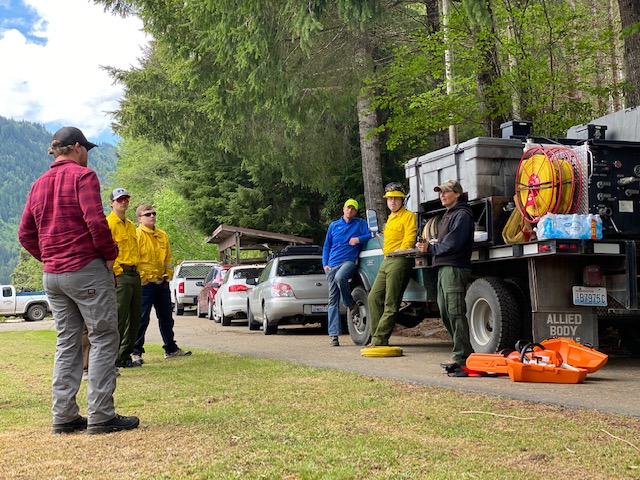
(123, 199)
(149, 214)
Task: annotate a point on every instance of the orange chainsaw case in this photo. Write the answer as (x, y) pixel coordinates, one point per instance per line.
(530, 372)
(487, 362)
(576, 354)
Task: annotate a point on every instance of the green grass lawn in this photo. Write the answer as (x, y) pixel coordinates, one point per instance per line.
(216, 415)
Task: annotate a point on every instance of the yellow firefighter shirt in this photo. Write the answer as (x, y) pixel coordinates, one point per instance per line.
(156, 262)
(125, 235)
(400, 231)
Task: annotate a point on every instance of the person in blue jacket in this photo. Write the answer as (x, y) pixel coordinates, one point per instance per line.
(342, 245)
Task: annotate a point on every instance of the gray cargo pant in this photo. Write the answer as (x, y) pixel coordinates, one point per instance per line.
(87, 296)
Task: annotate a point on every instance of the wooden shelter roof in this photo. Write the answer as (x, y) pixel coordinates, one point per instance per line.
(230, 239)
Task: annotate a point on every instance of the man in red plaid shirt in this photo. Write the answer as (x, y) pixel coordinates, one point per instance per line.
(63, 225)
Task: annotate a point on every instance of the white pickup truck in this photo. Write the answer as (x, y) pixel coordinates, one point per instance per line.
(187, 283)
(29, 305)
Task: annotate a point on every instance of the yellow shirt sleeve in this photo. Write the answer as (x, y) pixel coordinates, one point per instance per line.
(168, 260)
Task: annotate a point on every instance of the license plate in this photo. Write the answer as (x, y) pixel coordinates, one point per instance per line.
(590, 296)
(319, 308)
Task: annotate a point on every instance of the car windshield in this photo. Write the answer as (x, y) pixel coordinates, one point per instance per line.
(247, 273)
(300, 266)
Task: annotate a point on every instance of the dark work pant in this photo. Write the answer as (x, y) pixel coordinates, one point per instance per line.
(157, 296)
(452, 287)
(129, 296)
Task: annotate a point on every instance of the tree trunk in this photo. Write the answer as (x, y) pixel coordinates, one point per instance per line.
(369, 140)
(488, 79)
(448, 65)
(614, 55)
(629, 16)
(440, 138)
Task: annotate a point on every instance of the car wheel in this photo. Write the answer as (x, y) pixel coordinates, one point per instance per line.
(359, 325)
(226, 320)
(36, 312)
(266, 328)
(214, 313)
(251, 320)
(198, 312)
(209, 312)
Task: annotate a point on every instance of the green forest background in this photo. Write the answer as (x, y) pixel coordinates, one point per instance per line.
(268, 115)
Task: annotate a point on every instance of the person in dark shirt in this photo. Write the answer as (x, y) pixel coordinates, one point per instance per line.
(63, 225)
(451, 252)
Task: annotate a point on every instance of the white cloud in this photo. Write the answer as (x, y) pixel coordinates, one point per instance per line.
(61, 82)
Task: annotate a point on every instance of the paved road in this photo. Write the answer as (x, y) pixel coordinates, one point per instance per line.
(613, 389)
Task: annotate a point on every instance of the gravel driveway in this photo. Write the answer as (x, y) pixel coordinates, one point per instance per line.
(613, 389)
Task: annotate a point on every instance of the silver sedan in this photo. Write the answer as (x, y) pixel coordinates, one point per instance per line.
(292, 289)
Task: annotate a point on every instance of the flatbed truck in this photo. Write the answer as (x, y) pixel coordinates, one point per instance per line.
(528, 289)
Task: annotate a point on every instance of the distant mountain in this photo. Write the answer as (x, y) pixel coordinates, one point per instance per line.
(23, 158)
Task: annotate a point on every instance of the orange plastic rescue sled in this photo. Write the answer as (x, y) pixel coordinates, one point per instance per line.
(576, 354)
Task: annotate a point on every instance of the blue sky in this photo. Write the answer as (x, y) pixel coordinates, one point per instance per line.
(52, 52)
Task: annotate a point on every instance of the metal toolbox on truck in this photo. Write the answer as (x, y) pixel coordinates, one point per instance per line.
(484, 166)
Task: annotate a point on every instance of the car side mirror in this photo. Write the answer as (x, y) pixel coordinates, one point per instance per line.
(372, 220)
(252, 281)
(215, 285)
(199, 283)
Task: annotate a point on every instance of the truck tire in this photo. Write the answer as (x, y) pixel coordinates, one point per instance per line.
(493, 315)
(179, 309)
(520, 289)
(251, 319)
(35, 312)
(359, 326)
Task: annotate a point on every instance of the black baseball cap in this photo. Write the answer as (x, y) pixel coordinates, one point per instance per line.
(70, 136)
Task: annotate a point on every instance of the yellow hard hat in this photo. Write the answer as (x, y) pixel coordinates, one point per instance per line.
(394, 189)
